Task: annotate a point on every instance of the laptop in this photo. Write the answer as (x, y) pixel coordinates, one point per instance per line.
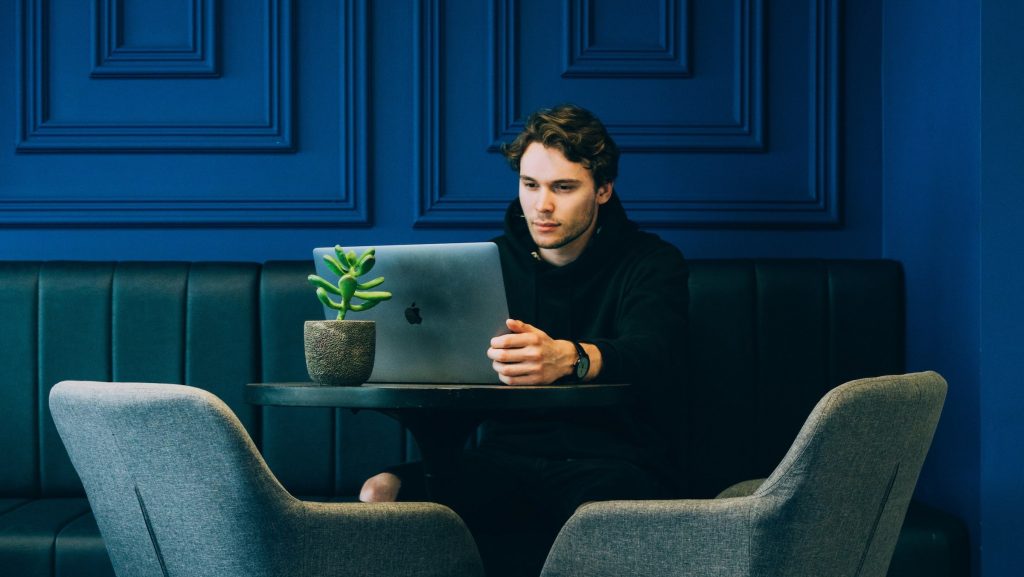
(448, 301)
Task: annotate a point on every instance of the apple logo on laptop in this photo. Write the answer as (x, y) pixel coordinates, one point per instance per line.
(412, 314)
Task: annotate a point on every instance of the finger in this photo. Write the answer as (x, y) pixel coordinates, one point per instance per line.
(515, 355)
(524, 380)
(515, 341)
(501, 355)
(517, 326)
(528, 381)
(515, 369)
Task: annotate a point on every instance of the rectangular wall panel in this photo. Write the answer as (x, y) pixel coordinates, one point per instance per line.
(184, 45)
(118, 107)
(186, 112)
(697, 145)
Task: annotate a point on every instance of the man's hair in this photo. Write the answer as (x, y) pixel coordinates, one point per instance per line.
(576, 132)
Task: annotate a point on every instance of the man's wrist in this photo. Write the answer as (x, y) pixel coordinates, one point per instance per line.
(572, 356)
(569, 368)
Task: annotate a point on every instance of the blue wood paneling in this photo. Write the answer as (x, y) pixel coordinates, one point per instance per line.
(65, 110)
(232, 112)
(698, 146)
(598, 46)
(133, 39)
(156, 140)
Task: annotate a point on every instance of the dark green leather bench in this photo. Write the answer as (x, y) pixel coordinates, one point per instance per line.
(766, 340)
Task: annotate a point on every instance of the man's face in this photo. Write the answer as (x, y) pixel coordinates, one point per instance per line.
(559, 201)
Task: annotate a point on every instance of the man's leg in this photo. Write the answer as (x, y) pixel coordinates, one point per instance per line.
(492, 503)
(380, 488)
(483, 484)
(401, 482)
(570, 483)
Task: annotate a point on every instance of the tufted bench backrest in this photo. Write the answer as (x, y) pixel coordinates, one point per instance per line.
(766, 340)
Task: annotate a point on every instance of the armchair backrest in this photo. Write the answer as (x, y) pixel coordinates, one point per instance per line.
(836, 502)
(178, 488)
(173, 479)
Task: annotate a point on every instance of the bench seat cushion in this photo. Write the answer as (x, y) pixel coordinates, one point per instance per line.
(51, 538)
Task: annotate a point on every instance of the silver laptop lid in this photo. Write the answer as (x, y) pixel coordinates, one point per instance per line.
(448, 302)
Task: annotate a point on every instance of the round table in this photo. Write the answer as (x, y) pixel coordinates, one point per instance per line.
(441, 417)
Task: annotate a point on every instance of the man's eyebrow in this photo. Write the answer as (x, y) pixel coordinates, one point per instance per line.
(559, 181)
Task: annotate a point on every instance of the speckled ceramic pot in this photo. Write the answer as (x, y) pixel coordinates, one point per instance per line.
(340, 352)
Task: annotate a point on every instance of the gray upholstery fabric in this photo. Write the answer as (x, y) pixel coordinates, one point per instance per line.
(178, 488)
(833, 506)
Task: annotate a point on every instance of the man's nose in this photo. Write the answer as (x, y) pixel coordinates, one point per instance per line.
(545, 200)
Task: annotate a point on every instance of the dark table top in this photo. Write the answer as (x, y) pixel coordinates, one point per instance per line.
(437, 396)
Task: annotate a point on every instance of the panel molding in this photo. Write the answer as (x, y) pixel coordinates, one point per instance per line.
(349, 205)
(115, 58)
(819, 205)
(743, 132)
(433, 209)
(39, 132)
(584, 58)
(814, 202)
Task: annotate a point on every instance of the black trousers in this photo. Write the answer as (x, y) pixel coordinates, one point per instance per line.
(514, 505)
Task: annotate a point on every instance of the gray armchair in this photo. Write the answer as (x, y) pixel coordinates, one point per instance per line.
(833, 506)
(178, 488)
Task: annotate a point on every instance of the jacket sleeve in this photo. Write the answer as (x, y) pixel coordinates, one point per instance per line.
(650, 321)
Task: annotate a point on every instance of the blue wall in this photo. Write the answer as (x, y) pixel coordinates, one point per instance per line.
(745, 133)
(752, 128)
(1001, 286)
(952, 171)
(931, 221)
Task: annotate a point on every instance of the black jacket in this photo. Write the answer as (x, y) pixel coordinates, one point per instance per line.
(627, 295)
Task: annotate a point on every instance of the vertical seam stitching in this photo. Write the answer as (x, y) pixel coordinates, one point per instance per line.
(149, 528)
(142, 505)
(878, 518)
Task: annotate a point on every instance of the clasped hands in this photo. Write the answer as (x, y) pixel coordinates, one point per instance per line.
(528, 356)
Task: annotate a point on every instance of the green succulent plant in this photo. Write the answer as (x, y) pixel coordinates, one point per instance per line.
(349, 268)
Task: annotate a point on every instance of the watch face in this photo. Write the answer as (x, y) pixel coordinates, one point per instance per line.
(582, 367)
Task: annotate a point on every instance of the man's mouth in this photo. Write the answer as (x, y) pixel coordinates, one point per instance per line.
(545, 226)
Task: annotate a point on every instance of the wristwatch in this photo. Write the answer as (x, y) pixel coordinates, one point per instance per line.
(582, 364)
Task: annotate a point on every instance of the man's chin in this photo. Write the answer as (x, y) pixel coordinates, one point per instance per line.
(549, 243)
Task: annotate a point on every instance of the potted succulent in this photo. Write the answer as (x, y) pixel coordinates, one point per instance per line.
(341, 352)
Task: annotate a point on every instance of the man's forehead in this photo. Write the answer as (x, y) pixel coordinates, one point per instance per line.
(549, 163)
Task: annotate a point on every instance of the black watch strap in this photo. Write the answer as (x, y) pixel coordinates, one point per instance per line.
(582, 365)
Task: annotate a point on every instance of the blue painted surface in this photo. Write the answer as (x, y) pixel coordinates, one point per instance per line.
(365, 168)
(953, 209)
(269, 121)
(1002, 287)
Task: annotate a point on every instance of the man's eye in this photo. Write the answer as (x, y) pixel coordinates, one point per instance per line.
(530, 185)
(564, 187)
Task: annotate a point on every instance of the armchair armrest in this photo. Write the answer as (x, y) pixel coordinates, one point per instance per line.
(685, 538)
(394, 539)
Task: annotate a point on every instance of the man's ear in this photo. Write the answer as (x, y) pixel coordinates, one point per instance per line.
(604, 192)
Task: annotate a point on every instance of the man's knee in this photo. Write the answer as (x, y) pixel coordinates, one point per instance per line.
(380, 488)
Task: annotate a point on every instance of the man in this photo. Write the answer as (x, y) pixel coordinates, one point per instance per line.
(592, 298)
